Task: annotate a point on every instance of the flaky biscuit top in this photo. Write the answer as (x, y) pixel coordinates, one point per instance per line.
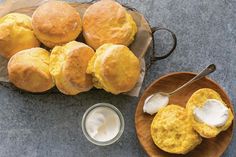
(29, 70)
(56, 23)
(68, 64)
(114, 68)
(16, 34)
(108, 22)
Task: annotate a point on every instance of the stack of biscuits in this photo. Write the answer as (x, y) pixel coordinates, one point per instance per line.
(103, 61)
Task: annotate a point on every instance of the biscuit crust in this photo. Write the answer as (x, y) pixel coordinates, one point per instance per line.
(114, 68)
(16, 34)
(56, 23)
(108, 22)
(68, 66)
(29, 70)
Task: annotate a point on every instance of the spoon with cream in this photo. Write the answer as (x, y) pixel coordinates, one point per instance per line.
(158, 100)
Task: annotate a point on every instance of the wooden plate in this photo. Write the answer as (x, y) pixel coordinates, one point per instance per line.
(213, 147)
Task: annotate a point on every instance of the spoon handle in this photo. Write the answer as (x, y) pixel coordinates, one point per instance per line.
(211, 68)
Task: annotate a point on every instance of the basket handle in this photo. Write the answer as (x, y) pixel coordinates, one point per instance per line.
(154, 57)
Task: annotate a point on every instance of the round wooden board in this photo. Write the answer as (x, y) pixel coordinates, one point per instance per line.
(213, 147)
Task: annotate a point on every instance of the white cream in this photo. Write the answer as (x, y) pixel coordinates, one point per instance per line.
(102, 124)
(212, 113)
(153, 103)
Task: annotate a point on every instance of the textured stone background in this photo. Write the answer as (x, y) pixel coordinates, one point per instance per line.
(49, 125)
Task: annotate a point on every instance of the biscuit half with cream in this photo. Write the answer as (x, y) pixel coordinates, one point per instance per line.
(16, 34)
(114, 68)
(208, 113)
(56, 23)
(172, 130)
(29, 70)
(106, 21)
(68, 64)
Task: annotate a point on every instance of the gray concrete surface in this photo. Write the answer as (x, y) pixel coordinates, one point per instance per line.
(49, 125)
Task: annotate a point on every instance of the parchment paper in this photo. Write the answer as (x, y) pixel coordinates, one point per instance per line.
(140, 45)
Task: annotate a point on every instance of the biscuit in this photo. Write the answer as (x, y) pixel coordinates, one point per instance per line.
(68, 66)
(56, 23)
(16, 34)
(29, 70)
(114, 68)
(107, 21)
(172, 131)
(198, 99)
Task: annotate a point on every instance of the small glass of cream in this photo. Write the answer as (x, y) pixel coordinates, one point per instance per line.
(102, 124)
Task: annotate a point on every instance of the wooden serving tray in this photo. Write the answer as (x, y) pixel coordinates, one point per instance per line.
(213, 147)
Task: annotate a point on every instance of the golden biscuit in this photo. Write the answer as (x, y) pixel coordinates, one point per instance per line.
(197, 100)
(68, 66)
(172, 131)
(56, 23)
(16, 34)
(114, 68)
(29, 70)
(107, 21)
